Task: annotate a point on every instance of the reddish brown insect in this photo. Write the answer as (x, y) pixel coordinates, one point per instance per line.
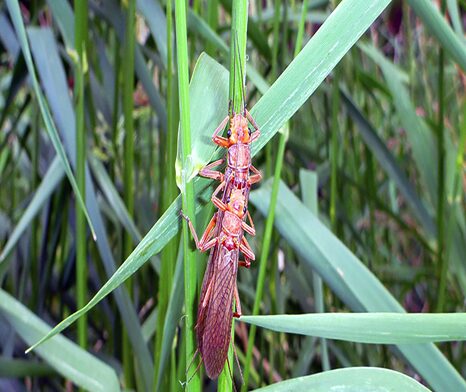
(239, 138)
(215, 312)
(224, 235)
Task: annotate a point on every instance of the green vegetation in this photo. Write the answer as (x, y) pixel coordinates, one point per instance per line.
(359, 218)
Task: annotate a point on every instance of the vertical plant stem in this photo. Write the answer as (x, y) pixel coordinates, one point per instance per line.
(442, 261)
(187, 199)
(128, 173)
(276, 40)
(334, 151)
(168, 257)
(212, 20)
(35, 265)
(116, 98)
(81, 29)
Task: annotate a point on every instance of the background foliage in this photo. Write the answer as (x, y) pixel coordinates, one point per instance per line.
(361, 208)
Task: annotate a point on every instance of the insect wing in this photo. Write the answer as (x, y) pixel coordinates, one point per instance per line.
(217, 322)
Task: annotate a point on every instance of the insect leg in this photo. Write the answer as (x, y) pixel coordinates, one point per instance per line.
(208, 292)
(251, 120)
(257, 133)
(246, 249)
(249, 229)
(217, 202)
(206, 241)
(221, 141)
(207, 171)
(248, 253)
(256, 177)
(238, 312)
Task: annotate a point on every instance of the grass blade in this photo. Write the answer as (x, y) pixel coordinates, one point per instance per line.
(372, 328)
(15, 13)
(48, 185)
(388, 163)
(51, 72)
(355, 379)
(438, 26)
(64, 356)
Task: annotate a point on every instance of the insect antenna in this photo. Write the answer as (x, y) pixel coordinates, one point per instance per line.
(231, 374)
(196, 353)
(232, 92)
(237, 363)
(243, 81)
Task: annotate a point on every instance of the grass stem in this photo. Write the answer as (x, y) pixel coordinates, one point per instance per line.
(81, 37)
(442, 261)
(187, 193)
(128, 168)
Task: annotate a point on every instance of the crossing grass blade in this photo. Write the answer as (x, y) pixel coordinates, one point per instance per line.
(49, 183)
(64, 356)
(372, 328)
(355, 379)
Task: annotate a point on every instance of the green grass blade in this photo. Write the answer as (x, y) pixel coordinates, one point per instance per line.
(199, 26)
(64, 356)
(439, 27)
(157, 23)
(23, 368)
(64, 17)
(454, 12)
(423, 145)
(372, 328)
(419, 135)
(15, 14)
(388, 163)
(355, 379)
(107, 187)
(80, 71)
(48, 185)
(113, 14)
(349, 278)
(51, 72)
(172, 317)
(187, 187)
(309, 184)
(315, 61)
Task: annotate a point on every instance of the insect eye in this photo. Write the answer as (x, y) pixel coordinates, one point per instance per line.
(229, 133)
(228, 200)
(245, 209)
(249, 130)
